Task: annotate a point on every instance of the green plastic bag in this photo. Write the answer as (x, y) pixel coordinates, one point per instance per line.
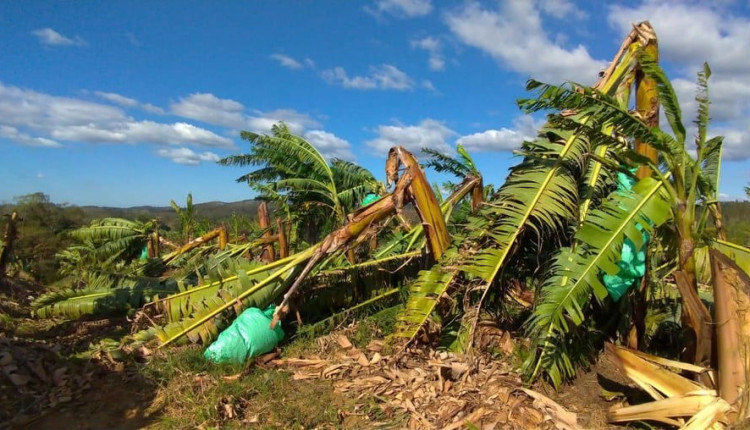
(632, 262)
(248, 336)
(370, 198)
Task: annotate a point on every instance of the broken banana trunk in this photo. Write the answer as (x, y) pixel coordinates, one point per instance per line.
(410, 186)
(724, 397)
(732, 316)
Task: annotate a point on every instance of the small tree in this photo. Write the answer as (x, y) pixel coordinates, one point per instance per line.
(292, 173)
(187, 218)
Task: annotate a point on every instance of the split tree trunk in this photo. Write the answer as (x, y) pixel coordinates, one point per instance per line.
(732, 310)
(265, 221)
(283, 244)
(223, 236)
(9, 239)
(647, 106)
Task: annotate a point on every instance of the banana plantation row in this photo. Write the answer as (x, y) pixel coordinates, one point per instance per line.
(604, 215)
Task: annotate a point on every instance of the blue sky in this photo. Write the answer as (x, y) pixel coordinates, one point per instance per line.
(130, 103)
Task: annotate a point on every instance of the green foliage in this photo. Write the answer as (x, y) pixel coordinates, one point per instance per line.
(460, 167)
(105, 295)
(576, 273)
(40, 233)
(296, 176)
(424, 295)
(113, 241)
(737, 222)
(187, 218)
(680, 182)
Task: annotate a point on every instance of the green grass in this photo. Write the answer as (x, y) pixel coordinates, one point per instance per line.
(195, 393)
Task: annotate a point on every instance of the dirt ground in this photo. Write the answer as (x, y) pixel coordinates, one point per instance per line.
(594, 392)
(44, 386)
(111, 403)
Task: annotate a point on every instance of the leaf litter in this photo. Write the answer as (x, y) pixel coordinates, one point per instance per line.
(435, 389)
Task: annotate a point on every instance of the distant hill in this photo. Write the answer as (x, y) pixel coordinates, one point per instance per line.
(737, 221)
(211, 211)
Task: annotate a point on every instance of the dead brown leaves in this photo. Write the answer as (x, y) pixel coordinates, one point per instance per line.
(34, 379)
(434, 389)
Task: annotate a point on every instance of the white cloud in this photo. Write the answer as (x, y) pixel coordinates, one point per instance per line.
(384, 77)
(50, 37)
(148, 107)
(330, 145)
(736, 140)
(129, 102)
(561, 9)
(24, 112)
(117, 99)
(338, 75)
(515, 36)
(143, 132)
(433, 46)
(402, 8)
(12, 133)
(210, 109)
(40, 175)
(491, 140)
(505, 139)
(690, 33)
(261, 122)
(429, 133)
(186, 156)
(287, 61)
(427, 84)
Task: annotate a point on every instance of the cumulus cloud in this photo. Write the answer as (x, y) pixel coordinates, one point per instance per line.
(514, 35)
(429, 133)
(428, 85)
(117, 99)
(383, 77)
(402, 8)
(12, 133)
(504, 139)
(50, 37)
(433, 46)
(261, 122)
(689, 34)
(330, 145)
(186, 156)
(128, 102)
(24, 113)
(148, 107)
(287, 61)
(561, 9)
(211, 109)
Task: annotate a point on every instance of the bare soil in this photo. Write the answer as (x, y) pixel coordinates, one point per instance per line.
(43, 385)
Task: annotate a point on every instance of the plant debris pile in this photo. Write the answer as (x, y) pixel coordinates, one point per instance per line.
(35, 379)
(435, 389)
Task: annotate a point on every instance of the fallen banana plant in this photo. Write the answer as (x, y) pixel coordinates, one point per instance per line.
(726, 398)
(539, 202)
(410, 186)
(217, 233)
(677, 397)
(199, 312)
